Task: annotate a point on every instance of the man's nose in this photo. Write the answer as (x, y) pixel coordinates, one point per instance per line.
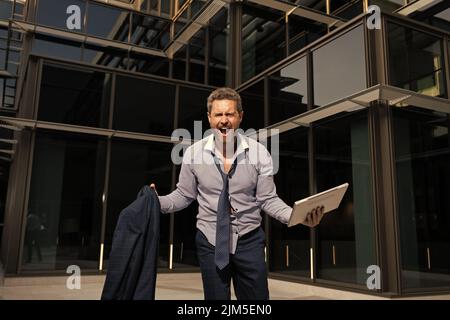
(224, 120)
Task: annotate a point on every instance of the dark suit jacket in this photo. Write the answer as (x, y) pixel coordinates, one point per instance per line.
(132, 263)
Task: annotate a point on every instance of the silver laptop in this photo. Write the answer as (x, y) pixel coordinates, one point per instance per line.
(330, 199)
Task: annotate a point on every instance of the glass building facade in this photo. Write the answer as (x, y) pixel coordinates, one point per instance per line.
(87, 111)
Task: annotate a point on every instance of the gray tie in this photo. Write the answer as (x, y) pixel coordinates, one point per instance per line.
(222, 250)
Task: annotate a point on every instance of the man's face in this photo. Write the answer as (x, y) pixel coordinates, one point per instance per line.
(225, 116)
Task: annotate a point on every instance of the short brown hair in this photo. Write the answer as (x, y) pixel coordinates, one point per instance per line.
(225, 94)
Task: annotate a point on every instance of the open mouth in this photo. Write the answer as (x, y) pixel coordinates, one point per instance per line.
(224, 131)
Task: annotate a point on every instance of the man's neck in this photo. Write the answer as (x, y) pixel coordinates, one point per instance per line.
(223, 148)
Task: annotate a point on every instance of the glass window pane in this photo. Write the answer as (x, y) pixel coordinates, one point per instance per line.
(79, 97)
(219, 30)
(64, 210)
(339, 67)
(5, 9)
(416, 61)
(179, 64)
(133, 165)
(303, 31)
(346, 9)
(54, 14)
(346, 239)
(288, 92)
(105, 56)
(145, 63)
(56, 47)
(289, 251)
(193, 107)
(319, 5)
(197, 57)
(422, 157)
(149, 32)
(253, 106)
(263, 39)
(115, 23)
(144, 106)
(388, 5)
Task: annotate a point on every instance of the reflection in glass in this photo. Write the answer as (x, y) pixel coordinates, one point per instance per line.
(416, 61)
(54, 14)
(193, 107)
(289, 250)
(115, 23)
(346, 235)
(263, 39)
(5, 9)
(387, 5)
(339, 67)
(78, 97)
(65, 203)
(346, 9)
(319, 5)
(219, 29)
(179, 64)
(133, 165)
(56, 47)
(144, 106)
(149, 32)
(288, 91)
(422, 157)
(437, 15)
(197, 57)
(253, 106)
(145, 63)
(105, 56)
(303, 31)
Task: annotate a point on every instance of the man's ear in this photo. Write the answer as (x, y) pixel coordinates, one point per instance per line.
(241, 115)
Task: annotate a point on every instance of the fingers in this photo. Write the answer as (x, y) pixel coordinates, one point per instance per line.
(153, 186)
(314, 217)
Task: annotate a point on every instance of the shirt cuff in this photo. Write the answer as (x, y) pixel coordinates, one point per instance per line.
(164, 203)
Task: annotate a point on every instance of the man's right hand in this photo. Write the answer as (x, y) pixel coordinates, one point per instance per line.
(153, 186)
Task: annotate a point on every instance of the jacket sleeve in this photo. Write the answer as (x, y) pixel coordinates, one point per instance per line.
(186, 190)
(124, 241)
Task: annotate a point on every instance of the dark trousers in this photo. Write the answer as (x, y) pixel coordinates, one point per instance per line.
(247, 268)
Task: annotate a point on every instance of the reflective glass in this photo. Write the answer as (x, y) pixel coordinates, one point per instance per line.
(289, 247)
(57, 14)
(253, 106)
(74, 96)
(339, 67)
(422, 157)
(416, 61)
(288, 91)
(193, 107)
(133, 165)
(346, 236)
(263, 39)
(115, 23)
(144, 106)
(63, 223)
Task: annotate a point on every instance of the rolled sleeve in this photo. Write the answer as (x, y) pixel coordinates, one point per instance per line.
(266, 193)
(186, 190)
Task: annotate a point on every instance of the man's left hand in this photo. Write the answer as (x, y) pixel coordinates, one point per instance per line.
(314, 216)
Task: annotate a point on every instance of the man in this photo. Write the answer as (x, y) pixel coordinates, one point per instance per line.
(231, 177)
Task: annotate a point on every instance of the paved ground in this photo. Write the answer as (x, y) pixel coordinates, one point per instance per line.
(170, 286)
